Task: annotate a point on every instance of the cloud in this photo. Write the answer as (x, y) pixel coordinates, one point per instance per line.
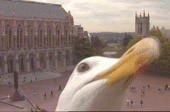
(114, 15)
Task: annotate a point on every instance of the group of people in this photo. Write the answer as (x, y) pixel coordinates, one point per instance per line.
(143, 93)
(131, 102)
(45, 95)
(51, 95)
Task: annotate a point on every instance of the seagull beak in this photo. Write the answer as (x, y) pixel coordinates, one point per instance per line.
(133, 61)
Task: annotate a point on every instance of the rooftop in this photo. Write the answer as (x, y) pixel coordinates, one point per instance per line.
(30, 9)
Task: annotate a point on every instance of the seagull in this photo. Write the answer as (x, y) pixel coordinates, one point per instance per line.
(99, 83)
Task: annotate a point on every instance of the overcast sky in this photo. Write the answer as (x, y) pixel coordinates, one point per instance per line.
(115, 15)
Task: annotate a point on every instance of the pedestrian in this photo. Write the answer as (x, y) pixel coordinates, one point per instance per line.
(9, 84)
(45, 96)
(59, 87)
(34, 93)
(131, 103)
(51, 93)
(143, 93)
(159, 90)
(37, 107)
(30, 80)
(143, 87)
(127, 101)
(54, 80)
(31, 110)
(35, 78)
(141, 103)
(166, 87)
(148, 86)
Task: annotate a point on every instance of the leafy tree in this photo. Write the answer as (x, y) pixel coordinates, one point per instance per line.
(82, 49)
(162, 64)
(126, 40)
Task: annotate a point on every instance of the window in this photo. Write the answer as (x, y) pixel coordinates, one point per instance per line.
(19, 36)
(8, 32)
(40, 38)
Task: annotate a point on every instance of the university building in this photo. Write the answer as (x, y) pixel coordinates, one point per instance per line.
(142, 25)
(35, 36)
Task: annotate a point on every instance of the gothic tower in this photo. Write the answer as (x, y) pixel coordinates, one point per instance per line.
(142, 25)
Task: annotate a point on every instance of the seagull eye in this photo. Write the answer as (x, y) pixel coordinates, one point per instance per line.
(83, 67)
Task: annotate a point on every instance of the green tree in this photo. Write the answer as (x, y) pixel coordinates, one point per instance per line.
(162, 64)
(126, 40)
(82, 49)
(98, 46)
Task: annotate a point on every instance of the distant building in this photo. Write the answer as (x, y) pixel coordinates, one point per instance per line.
(35, 36)
(165, 33)
(142, 25)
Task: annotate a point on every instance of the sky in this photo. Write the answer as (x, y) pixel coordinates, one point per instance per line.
(114, 15)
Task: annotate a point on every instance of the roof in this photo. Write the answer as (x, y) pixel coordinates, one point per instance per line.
(30, 9)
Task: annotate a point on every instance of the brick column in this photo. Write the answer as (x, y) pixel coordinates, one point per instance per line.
(17, 64)
(47, 60)
(55, 60)
(38, 61)
(28, 63)
(5, 65)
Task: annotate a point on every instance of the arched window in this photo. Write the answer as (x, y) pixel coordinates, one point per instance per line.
(19, 36)
(8, 32)
(49, 36)
(40, 38)
(65, 35)
(30, 36)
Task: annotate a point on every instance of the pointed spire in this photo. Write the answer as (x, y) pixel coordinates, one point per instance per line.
(140, 14)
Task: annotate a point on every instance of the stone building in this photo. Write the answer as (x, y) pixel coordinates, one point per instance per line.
(142, 25)
(34, 36)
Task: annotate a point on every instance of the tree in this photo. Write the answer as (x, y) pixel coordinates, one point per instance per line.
(82, 49)
(162, 64)
(126, 40)
(97, 45)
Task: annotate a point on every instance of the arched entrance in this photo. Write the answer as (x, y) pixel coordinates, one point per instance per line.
(42, 61)
(10, 64)
(51, 60)
(59, 58)
(67, 57)
(32, 62)
(21, 61)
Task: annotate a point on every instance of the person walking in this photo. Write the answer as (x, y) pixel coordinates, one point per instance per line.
(131, 103)
(35, 78)
(34, 93)
(159, 90)
(9, 84)
(148, 86)
(59, 87)
(51, 94)
(141, 103)
(143, 93)
(127, 101)
(166, 87)
(45, 96)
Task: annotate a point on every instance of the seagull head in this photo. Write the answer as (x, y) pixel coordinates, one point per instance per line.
(98, 83)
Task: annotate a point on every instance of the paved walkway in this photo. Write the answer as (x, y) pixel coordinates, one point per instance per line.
(152, 100)
(34, 76)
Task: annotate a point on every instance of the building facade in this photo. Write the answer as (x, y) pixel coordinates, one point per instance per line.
(142, 25)
(34, 36)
